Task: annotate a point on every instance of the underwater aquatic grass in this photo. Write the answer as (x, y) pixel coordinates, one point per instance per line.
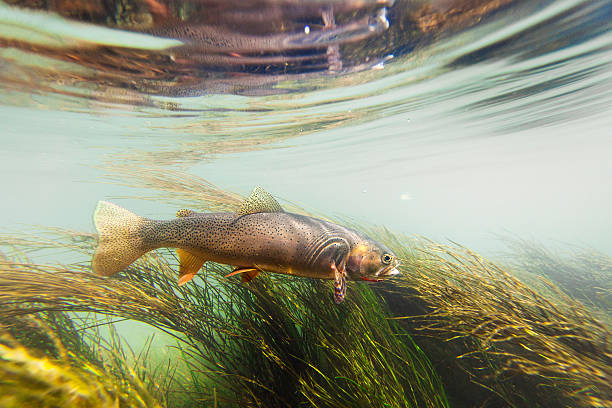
(29, 378)
(275, 342)
(182, 189)
(518, 343)
(553, 342)
(332, 356)
(49, 364)
(49, 358)
(174, 186)
(585, 274)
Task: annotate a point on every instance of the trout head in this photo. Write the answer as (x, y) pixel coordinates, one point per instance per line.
(371, 261)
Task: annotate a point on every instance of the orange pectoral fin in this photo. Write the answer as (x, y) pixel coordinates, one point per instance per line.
(248, 274)
(189, 265)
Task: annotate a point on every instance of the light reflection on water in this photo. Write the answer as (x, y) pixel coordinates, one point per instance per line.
(498, 125)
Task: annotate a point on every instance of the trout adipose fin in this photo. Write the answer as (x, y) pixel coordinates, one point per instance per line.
(185, 213)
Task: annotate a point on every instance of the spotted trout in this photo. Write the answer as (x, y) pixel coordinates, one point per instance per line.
(260, 236)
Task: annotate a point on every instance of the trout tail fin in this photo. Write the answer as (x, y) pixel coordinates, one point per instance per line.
(119, 239)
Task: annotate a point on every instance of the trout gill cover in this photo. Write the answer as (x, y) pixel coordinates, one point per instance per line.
(260, 236)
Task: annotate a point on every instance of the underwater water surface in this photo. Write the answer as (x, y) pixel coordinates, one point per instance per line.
(502, 126)
(458, 121)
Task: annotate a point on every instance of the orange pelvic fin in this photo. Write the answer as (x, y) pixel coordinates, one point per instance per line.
(248, 274)
(190, 264)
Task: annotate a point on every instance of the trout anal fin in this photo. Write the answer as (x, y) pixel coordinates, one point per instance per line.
(339, 282)
(248, 274)
(189, 265)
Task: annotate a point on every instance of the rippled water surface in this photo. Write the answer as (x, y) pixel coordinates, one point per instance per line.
(470, 121)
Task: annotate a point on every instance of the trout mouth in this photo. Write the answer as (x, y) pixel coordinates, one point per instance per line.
(390, 270)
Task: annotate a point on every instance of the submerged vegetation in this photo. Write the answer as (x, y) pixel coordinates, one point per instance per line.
(452, 324)
(531, 349)
(277, 342)
(585, 275)
(45, 361)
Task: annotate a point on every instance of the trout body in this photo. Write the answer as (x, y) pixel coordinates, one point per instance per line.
(259, 237)
(277, 242)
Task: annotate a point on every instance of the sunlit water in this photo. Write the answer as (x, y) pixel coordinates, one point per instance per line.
(502, 127)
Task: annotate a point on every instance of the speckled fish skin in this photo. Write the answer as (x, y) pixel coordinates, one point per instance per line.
(277, 242)
(259, 236)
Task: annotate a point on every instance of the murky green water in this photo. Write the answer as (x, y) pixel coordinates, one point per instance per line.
(456, 122)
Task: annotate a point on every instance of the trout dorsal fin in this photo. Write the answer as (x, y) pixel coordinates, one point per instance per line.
(260, 201)
(190, 264)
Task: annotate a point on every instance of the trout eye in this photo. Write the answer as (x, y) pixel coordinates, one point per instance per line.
(386, 259)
